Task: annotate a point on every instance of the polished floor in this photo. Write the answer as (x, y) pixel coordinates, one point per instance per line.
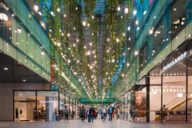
(96, 124)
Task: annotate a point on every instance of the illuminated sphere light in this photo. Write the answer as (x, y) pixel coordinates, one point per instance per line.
(118, 8)
(3, 17)
(150, 31)
(126, 10)
(36, 8)
(145, 12)
(84, 23)
(136, 22)
(19, 30)
(136, 53)
(134, 12)
(128, 28)
(58, 9)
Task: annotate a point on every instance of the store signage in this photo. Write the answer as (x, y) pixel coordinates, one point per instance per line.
(105, 100)
(175, 61)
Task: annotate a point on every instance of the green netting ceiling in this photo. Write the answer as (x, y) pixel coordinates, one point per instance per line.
(90, 36)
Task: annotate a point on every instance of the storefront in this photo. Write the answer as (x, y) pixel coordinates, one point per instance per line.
(168, 88)
(35, 105)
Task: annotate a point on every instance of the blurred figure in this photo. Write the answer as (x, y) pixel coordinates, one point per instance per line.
(104, 114)
(110, 112)
(66, 113)
(72, 114)
(91, 114)
(82, 113)
(118, 113)
(86, 112)
(164, 112)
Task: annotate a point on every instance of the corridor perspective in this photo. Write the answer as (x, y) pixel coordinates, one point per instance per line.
(95, 63)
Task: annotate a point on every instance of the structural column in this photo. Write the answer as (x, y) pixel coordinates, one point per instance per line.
(186, 118)
(147, 80)
(161, 97)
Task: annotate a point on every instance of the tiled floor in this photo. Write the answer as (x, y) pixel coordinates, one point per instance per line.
(96, 124)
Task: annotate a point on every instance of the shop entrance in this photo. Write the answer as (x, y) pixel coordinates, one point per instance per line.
(171, 87)
(35, 105)
(24, 111)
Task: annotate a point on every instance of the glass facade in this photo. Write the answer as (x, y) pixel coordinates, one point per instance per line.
(35, 105)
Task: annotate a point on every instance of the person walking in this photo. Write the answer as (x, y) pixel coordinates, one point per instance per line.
(91, 114)
(72, 114)
(66, 113)
(110, 112)
(82, 114)
(164, 113)
(104, 114)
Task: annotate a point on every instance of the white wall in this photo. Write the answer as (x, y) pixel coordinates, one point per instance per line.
(6, 96)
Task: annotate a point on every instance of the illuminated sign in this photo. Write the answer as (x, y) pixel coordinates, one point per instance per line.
(175, 61)
(105, 100)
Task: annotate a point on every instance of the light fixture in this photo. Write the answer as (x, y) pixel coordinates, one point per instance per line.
(3, 17)
(40, 13)
(128, 28)
(24, 80)
(118, 8)
(136, 22)
(145, 12)
(52, 13)
(179, 95)
(128, 64)
(136, 53)
(6, 69)
(126, 10)
(19, 30)
(134, 12)
(117, 40)
(154, 92)
(58, 9)
(150, 31)
(138, 28)
(36, 8)
(42, 24)
(84, 23)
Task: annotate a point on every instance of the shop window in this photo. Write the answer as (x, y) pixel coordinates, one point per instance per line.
(143, 56)
(5, 25)
(35, 105)
(178, 17)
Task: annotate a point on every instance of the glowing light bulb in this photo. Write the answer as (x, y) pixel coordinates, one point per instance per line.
(58, 9)
(128, 28)
(3, 17)
(36, 8)
(126, 10)
(118, 8)
(134, 12)
(84, 23)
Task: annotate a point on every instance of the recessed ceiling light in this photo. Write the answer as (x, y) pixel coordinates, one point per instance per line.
(5, 68)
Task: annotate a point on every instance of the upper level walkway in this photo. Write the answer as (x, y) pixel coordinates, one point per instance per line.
(96, 124)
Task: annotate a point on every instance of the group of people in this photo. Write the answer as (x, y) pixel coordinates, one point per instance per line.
(90, 113)
(66, 114)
